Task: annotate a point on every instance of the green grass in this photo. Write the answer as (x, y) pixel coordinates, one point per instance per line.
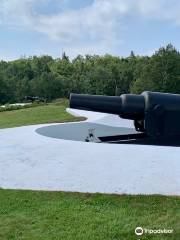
(50, 113)
(72, 216)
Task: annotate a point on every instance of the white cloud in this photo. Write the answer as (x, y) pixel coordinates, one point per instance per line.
(16, 12)
(98, 24)
(97, 21)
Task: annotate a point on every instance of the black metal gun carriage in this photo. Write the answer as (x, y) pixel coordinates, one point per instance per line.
(156, 115)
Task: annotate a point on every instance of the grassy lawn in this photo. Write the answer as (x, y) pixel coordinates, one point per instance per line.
(50, 113)
(73, 216)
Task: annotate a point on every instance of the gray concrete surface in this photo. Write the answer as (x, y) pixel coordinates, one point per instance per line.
(29, 160)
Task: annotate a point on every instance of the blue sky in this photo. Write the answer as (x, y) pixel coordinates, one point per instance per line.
(31, 27)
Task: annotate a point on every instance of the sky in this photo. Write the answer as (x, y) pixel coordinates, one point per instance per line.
(49, 27)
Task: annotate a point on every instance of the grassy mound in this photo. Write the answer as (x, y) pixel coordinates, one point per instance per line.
(48, 113)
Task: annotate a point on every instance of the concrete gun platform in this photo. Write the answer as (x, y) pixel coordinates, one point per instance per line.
(30, 159)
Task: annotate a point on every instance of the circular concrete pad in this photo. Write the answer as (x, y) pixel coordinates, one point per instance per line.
(80, 131)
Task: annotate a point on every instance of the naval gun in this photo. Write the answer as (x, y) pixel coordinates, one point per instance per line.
(156, 115)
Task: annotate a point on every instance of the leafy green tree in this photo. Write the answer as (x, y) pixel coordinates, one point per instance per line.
(53, 78)
(161, 72)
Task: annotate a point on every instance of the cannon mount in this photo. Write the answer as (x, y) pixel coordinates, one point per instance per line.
(156, 115)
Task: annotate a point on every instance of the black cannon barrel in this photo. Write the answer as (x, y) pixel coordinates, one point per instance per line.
(96, 103)
(156, 114)
(129, 106)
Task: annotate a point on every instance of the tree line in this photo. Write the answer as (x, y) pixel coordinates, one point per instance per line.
(109, 75)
